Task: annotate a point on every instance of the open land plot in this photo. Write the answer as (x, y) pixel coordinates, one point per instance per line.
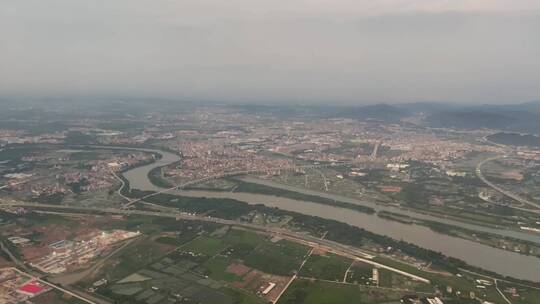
(247, 261)
(364, 274)
(238, 236)
(175, 277)
(198, 271)
(360, 273)
(462, 283)
(328, 267)
(319, 292)
(280, 258)
(205, 245)
(221, 268)
(255, 251)
(56, 297)
(135, 257)
(519, 295)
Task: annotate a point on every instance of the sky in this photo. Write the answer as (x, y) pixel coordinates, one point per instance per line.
(264, 51)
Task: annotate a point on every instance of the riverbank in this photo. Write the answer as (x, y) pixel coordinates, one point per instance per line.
(492, 240)
(262, 189)
(332, 229)
(473, 253)
(489, 239)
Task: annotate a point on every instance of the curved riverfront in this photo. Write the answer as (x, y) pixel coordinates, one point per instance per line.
(497, 260)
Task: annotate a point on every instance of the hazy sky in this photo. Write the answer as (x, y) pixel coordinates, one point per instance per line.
(348, 51)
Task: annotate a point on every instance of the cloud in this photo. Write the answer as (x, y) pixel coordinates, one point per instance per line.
(302, 50)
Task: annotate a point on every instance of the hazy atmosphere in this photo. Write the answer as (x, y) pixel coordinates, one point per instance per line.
(262, 51)
(270, 152)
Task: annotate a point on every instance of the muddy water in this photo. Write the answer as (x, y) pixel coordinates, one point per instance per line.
(500, 261)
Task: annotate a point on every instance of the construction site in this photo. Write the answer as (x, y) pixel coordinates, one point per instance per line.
(16, 287)
(68, 254)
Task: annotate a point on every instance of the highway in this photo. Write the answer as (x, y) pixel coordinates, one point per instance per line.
(84, 298)
(12, 257)
(500, 190)
(230, 174)
(308, 240)
(375, 150)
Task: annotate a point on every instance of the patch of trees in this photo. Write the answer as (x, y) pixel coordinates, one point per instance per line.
(256, 188)
(157, 179)
(78, 138)
(50, 199)
(77, 187)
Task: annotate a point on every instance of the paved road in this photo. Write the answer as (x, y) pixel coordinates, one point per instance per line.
(293, 278)
(84, 298)
(232, 174)
(500, 292)
(12, 257)
(499, 189)
(37, 276)
(297, 237)
(375, 150)
(495, 283)
(71, 278)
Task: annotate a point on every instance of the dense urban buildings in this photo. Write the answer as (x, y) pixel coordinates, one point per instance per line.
(208, 204)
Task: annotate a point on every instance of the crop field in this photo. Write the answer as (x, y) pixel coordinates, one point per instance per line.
(205, 245)
(55, 297)
(135, 257)
(224, 266)
(218, 269)
(360, 273)
(464, 282)
(255, 251)
(319, 292)
(280, 258)
(328, 267)
(175, 278)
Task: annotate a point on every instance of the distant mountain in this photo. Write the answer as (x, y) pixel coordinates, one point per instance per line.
(530, 107)
(469, 120)
(515, 139)
(381, 112)
(428, 107)
(523, 117)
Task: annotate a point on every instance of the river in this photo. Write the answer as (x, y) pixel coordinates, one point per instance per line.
(497, 260)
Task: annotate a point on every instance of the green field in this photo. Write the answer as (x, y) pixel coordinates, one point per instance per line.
(236, 236)
(86, 155)
(317, 292)
(180, 276)
(206, 245)
(464, 283)
(242, 297)
(169, 241)
(360, 273)
(217, 267)
(56, 297)
(526, 296)
(134, 257)
(280, 258)
(328, 267)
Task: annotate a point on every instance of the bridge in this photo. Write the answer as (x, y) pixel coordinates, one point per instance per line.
(191, 183)
(509, 194)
